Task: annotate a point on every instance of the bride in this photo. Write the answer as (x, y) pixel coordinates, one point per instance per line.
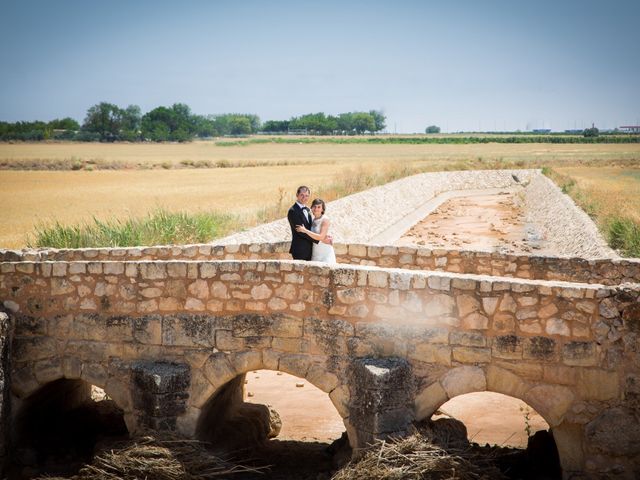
(323, 250)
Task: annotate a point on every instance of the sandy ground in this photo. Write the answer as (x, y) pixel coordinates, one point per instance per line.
(307, 413)
(480, 222)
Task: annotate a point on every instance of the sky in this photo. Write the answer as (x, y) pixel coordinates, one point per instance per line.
(461, 65)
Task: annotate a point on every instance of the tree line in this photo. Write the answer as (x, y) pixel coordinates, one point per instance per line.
(106, 122)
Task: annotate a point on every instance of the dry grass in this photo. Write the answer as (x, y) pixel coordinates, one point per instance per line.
(158, 457)
(417, 457)
(613, 191)
(255, 194)
(611, 195)
(146, 155)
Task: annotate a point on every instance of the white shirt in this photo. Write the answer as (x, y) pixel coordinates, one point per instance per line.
(304, 210)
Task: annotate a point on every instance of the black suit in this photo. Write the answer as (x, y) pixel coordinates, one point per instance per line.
(301, 243)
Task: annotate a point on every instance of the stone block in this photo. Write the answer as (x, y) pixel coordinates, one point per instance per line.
(615, 432)
(378, 279)
(188, 330)
(244, 362)
(319, 376)
(148, 329)
(506, 382)
(475, 321)
(547, 311)
(287, 345)
(439, 283)
(48, 370)
(550, 401)
(540, 348)
(582, 354)
(430, 353)
(199, 289)
(469, 339)
(400, 281)
(526, 370)
(489, 304)
(471, 355)
(439, 304)
(561, 375)
(152, 271)
(226, 341)
(557, 326)
(295, 364)
(599, 385)
(340, 398)
(464, 284)
(508, 304)
(429, 399)
(33, 348)
(218, 370)
(350, 296)
(463, 380)
(507, 347)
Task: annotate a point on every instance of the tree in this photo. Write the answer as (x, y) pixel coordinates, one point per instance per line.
(174, 124)
(378, 119)
(432, 129)
(239, 125)
(131, 123)
(363, 122)
(276, 126)
(105, 120)
(591, 132)
(66, 123)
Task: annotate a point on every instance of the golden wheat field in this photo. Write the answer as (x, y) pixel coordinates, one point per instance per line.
(173, 154)
(613, 191)
(29, 197)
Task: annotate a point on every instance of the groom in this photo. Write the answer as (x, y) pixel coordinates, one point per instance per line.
(299, 214)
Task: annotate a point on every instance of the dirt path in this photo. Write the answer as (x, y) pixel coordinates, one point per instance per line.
(480, 222)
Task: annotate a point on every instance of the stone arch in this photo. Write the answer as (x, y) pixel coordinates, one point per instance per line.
(551, 402)
(25, 386)
(60, 414)
(223, 375)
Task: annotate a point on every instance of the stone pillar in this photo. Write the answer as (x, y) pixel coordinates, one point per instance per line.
(382, 396)
(4, 386)
(160, 391)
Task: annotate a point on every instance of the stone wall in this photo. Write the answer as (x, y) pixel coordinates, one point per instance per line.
(4, 384)
(604, 270)
(567, 349)
(566, 228)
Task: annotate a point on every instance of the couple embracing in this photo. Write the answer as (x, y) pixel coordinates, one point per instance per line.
(310, 229)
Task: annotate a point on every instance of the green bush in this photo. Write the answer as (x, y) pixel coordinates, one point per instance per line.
(624, 235)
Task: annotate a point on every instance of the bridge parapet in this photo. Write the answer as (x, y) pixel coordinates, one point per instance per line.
(606, 271)
(567, 349)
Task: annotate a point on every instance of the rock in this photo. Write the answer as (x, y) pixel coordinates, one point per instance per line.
(615, 432)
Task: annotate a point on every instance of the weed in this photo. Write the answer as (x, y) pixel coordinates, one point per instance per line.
(526, 412)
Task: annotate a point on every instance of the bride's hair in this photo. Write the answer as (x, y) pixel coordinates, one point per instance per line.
(319, 201)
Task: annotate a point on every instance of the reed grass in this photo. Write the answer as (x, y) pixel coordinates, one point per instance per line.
(159, 227)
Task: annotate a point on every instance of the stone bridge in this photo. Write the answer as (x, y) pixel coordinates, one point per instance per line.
(389, 333)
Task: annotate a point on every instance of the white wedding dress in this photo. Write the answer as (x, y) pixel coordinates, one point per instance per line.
(322, 252)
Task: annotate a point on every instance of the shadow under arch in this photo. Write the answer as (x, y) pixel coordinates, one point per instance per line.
(56, 427)
(226, 403)
(234, 426)
(551, 402)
